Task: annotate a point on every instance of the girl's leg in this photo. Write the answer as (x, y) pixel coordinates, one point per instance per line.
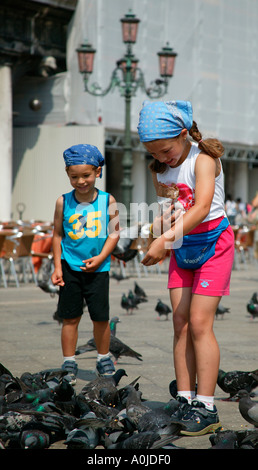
(184, 356)
(101, 333)
(207, 354)
(69, 336)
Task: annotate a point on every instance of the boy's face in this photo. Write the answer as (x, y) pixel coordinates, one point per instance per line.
(83, 177)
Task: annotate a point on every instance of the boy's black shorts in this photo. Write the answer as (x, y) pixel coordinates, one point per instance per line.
(93, 287)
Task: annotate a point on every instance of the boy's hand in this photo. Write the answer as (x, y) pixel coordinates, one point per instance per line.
(91, 264)
(57, 278)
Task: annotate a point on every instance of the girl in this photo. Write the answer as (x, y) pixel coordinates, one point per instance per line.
(201, 260)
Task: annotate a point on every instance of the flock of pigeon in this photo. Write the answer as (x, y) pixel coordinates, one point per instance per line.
(37, 410)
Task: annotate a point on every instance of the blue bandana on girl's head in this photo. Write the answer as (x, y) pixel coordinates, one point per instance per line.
(83, 154)
(164, 119)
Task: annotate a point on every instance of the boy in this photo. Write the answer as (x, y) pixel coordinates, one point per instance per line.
(86, 231)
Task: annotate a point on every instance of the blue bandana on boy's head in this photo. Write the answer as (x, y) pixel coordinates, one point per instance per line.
(164, 119)
(83, 154)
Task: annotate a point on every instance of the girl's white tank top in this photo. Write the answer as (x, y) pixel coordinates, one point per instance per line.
(184, 177)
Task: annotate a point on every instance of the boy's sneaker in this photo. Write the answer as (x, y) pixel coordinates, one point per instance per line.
(105, 367)
(72, 369)
(198, 420)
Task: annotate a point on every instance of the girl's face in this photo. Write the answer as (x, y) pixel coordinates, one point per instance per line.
(82, 177)
(169, 151)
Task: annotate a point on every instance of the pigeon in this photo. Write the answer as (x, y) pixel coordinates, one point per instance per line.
(135, 409)
(113, 322)
(159, 419)
(119, 349)
(248, 438)
(49, 287)
(127, 304)
(91, 391)
(82, 439)
(34, 439)
(248, 408)
(139, 291)
(254, 298)
(118, 277)
(162, 309)
(233, 381)
(135, 299)
(116, 347)
(252, 309)
(221, 311)
(224, 440)
(143, 440)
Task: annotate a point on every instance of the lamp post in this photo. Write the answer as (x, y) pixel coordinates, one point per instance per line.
(128, 77)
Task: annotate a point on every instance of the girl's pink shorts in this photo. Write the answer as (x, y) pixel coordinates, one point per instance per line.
(213, 277)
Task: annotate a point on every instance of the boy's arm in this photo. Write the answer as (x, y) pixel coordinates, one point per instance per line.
(57, 276)
(113, 228)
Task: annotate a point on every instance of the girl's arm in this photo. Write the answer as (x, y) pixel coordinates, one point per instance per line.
(93, 263)
(205, 170)
(57, 276)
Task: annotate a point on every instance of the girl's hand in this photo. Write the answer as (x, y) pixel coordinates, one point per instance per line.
(91, 264)
(57, 277)
(164, 222)
(156, 252)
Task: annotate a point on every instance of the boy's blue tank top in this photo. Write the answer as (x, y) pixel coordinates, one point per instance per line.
(85, 230)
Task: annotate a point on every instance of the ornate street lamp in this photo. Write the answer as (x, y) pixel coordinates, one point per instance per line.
(128, 77)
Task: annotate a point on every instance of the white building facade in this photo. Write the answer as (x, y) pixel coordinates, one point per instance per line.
(216, 69)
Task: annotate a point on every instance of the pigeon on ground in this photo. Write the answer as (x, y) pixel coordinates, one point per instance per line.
(254, 298)
(118, 277)
(233, 381)
(91, 391)
(143, 440)
(139, 291)
(221, 311)
(127, 304)
(112, 324)
(252, 309)
(162, 309)
(160, 419)
(135, 408)
(82, 439)
(116, 347)
(248, 408)
(136, 299)
(34, 439)
(243, 439)
(224, 440)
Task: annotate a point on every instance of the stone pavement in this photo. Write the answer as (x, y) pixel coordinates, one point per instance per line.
(30, 339)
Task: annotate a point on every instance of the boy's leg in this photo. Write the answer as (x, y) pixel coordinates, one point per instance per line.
(69, 336)
(101, 333)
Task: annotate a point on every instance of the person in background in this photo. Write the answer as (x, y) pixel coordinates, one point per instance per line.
(231, 209)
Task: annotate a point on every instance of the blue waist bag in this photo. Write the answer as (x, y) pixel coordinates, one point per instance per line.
(199, 247)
